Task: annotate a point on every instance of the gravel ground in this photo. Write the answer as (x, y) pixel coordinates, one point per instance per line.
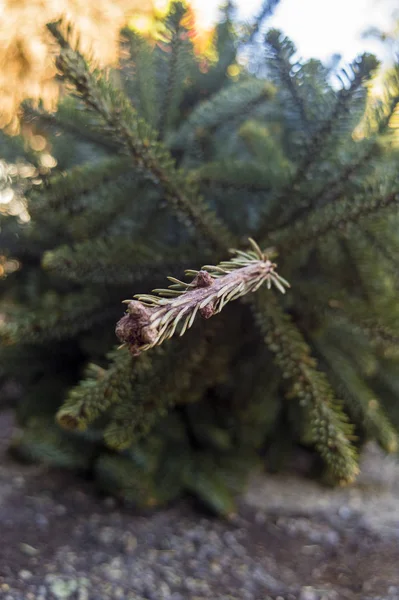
(292, 540)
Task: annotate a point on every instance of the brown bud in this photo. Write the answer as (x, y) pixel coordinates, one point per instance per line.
(149, 334)
(135, 329)
(207, 312)
(125, 329)
(137, 309)
(202, 279)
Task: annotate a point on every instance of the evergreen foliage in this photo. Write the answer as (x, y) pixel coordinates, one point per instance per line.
(162, 167)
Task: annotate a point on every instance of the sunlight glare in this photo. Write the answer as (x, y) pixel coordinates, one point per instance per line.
(319, 29)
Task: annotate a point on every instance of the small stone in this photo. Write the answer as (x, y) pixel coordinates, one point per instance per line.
(260, 518)
(109, 502)
(62, 588)
(332, 538)
(41, 521)
(345, 512)
(28, 549)
(24, 575)
(106, 535)
(60, 510)
(83, 594)
(216, 568)
(308, 593)
(18, 481)
(119, 593)
(311, 549)
(130, 543)
(114, 570)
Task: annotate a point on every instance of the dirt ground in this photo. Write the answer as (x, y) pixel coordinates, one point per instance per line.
(292, 540)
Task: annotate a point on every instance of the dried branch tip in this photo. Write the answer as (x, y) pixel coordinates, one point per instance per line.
(152, 319)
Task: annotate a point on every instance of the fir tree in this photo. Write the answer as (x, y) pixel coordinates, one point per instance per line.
(162, 167)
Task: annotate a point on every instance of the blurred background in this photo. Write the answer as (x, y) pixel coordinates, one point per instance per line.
(322, 30)
(334, 32)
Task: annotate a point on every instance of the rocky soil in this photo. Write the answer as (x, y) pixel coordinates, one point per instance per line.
(292, 540)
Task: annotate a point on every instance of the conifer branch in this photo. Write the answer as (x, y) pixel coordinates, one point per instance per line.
(335, 188)
(176, 32)
(222, 109)
(151, 319)
(139, 392)
(280, 52)
(265, 12)
(388, 253)
(70, 119)
(56, 318)
(109, 261)
(337, 216)
(139, 140)
(380, 335)
(101, 388)
(169, 383)
(141, 81)
(331, 432)
(361, 71)
(361, 402)
(62, 190)
(248, 176)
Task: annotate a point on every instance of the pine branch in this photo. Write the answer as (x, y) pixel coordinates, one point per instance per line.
(140, 83)
(175, 42)
(124, 125)
(70, 119)
(266, 11)
(150, 319)
(331, 432)
(385, 250)
(335, 188)
(380, 335)
(359, 398)
(110, 261)
(148, 476)
(56, 318)
(140, 392)
(101, 211)
(64, 190)
(101, 388)
(351, 342)
(281, 50)
(336, 217)
(379, 113)
(361, 71)
(248, 176)
(225, 43)
(319, 141)
(41, 441)
(256, 399)
(173, 380)
(222, 109)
